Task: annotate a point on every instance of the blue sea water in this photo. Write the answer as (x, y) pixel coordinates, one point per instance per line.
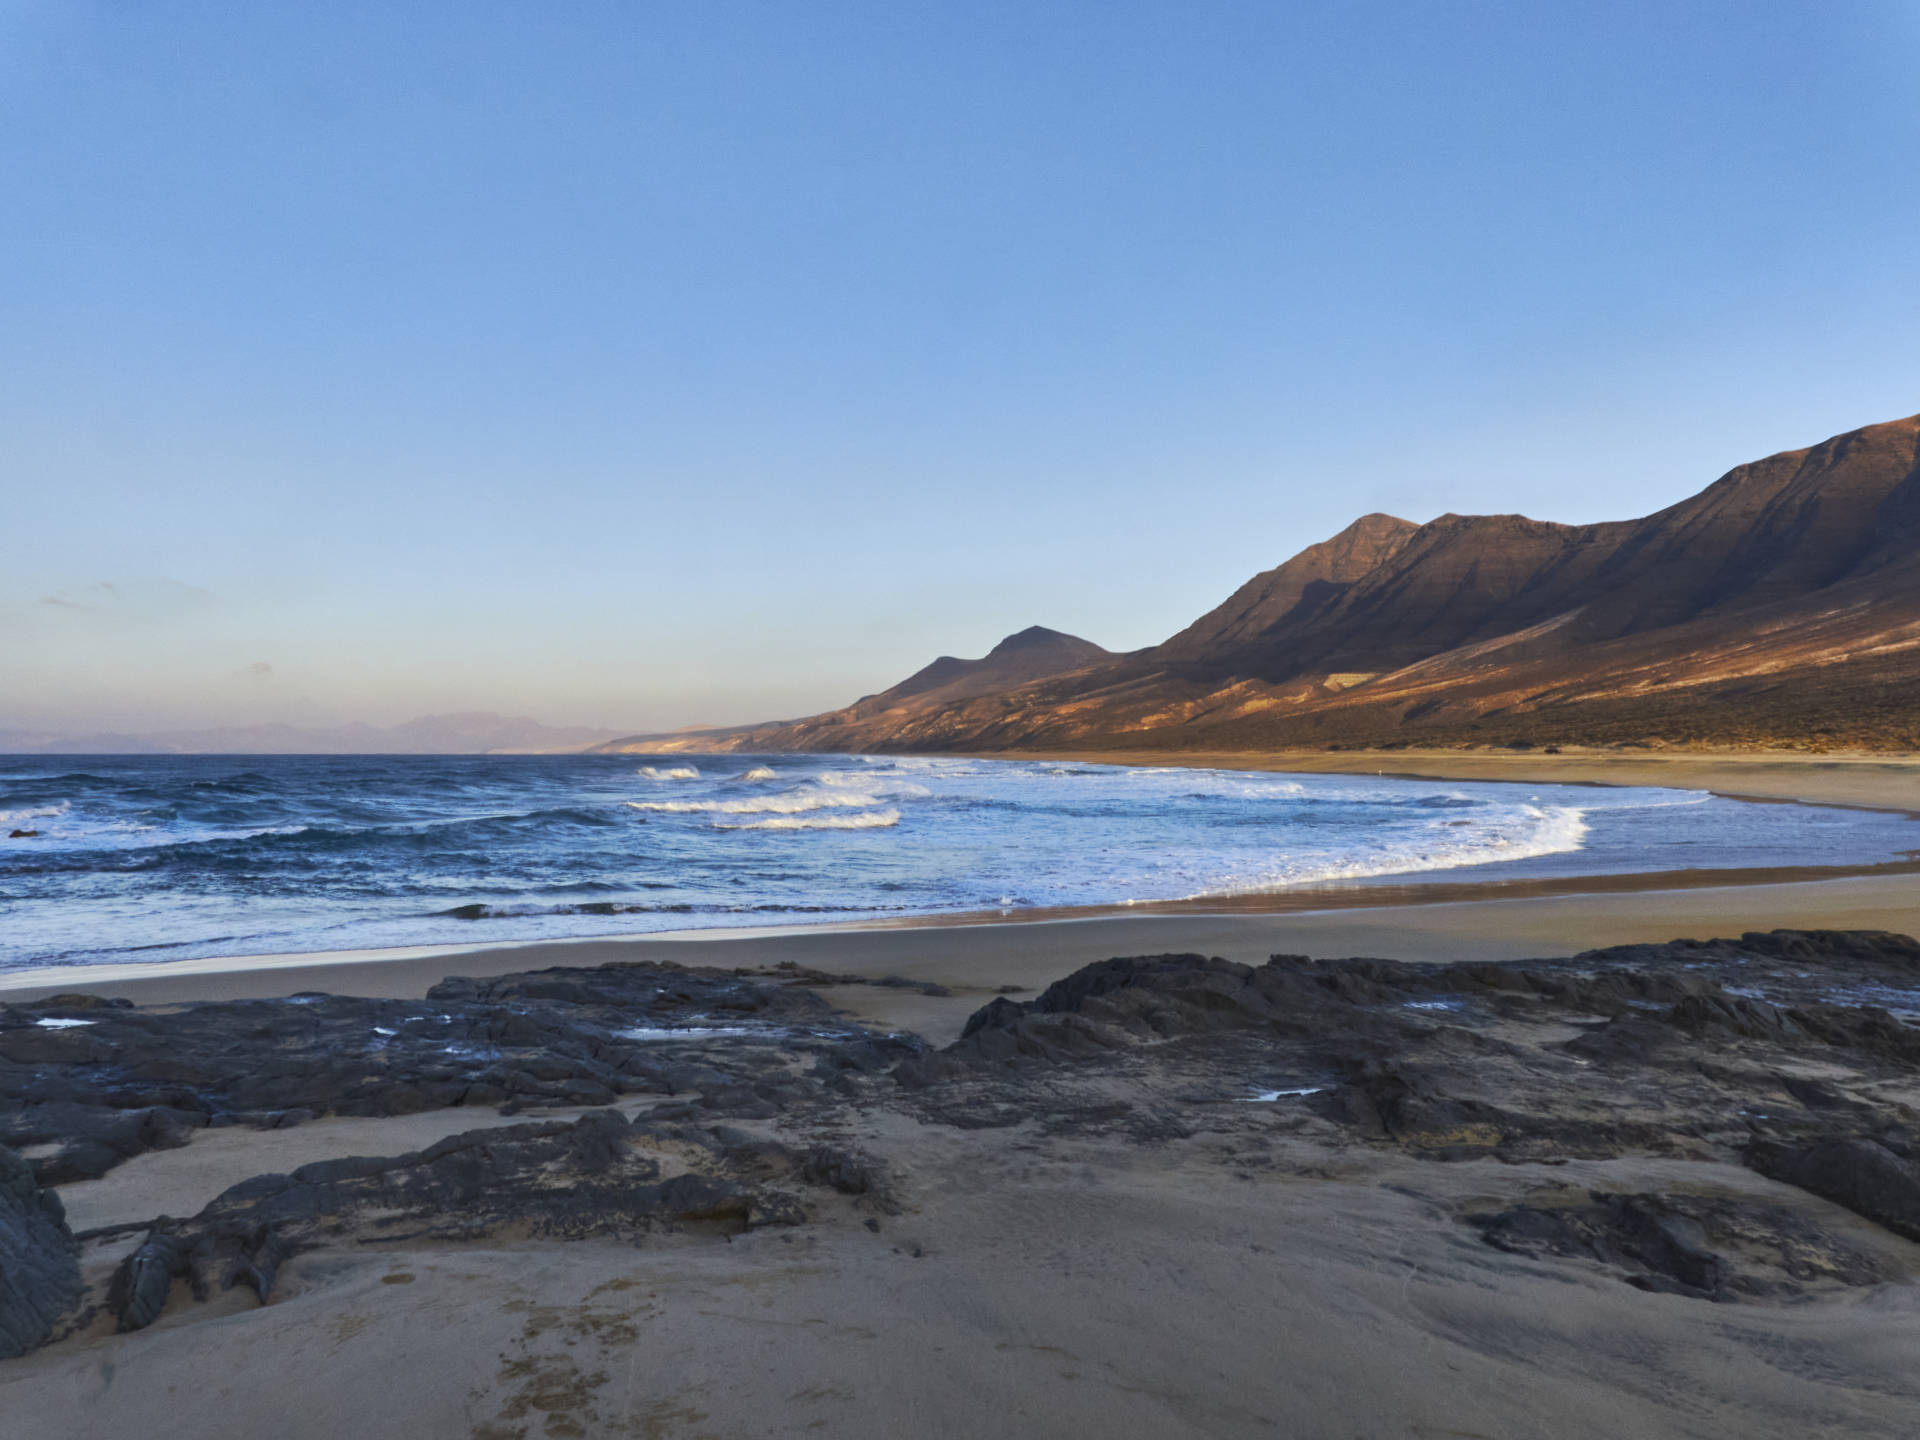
(176, 857)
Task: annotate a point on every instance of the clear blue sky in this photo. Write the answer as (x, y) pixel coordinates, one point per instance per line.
(643, 364)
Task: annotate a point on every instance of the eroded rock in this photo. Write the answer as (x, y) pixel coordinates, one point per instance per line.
(39, 1261)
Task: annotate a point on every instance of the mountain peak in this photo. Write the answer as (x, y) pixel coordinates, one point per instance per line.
(1034, 653)
(1309, 580)
(1039, 636)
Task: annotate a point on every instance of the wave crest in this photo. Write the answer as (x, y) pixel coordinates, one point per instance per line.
(671, 772)
(1548, 830)
(793, 802)
(37, 812)
(869, 820)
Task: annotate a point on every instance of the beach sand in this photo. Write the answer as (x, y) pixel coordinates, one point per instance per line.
(1037, 1283)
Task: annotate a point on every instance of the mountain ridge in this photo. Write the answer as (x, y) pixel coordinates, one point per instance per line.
(1778, 605)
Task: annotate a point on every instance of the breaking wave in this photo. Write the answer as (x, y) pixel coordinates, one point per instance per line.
(36, 812)
(191, 856)
(794, 802)
(1534, 832)
(869, 820)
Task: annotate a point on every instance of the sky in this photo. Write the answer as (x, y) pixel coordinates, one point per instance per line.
(643, 364)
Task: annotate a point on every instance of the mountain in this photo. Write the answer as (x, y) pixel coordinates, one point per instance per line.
(1780, 605)
(478, 732)
(1031, 655)
(1308, 582)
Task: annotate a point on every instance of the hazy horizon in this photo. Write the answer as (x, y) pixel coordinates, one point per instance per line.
(634, 370)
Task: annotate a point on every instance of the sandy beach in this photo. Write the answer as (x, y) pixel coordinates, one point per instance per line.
(1249, 1272)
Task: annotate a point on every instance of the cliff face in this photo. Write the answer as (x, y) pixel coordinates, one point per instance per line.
(1779, 605)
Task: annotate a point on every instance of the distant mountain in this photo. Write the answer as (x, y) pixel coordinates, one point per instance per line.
(477, 732)
(1033, 654)
(1780, 605)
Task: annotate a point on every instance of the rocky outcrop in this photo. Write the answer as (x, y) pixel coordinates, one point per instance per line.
(95, 1082)
(1704, 1247)
(39, 1261)
(1862, 1173)
(1695, 1049)
(599, 1175)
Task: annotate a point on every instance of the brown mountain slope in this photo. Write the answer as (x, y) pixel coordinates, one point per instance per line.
(1779, 605)
(1304, 585)
(1030, 655)
(1033, 654)
(1784, 527)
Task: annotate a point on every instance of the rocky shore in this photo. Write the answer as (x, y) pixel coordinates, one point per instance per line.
(649, 1104)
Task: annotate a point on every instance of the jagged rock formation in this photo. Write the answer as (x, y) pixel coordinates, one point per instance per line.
(39, 1261)
(599, 1175)
(1698, 1051)
(1753, 1092)
(93, 1082)
(1779, 605)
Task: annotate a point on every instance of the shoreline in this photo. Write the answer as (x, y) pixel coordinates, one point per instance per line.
(972, 963)
(1866, 780)
(1605, 899)
(1320, 900)
(1064, 1229)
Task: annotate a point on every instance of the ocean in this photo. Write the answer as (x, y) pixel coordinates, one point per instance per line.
(141, 858)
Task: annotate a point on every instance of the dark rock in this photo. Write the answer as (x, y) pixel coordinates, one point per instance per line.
(39, 1261)
(1706, 1247)
(139, 1289)
(924, 987)
(131, 1079)
(1861, 1174)
(851, 1173)
(593, 1176)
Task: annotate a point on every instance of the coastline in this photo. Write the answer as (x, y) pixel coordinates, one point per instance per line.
(1869, 780)
(1557, 916)
(1065, 1269)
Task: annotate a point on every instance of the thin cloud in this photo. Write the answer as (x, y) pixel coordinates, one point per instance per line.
(144, 600)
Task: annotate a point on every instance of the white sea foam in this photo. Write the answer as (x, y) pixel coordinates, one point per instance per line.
(38, 812)
(759, 772)
(52, 1024)
(1260, 789)
(1004, 835)
(870, 784)
(1533, 832)
(868, 820)
(689, 1032)
(792, 802)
